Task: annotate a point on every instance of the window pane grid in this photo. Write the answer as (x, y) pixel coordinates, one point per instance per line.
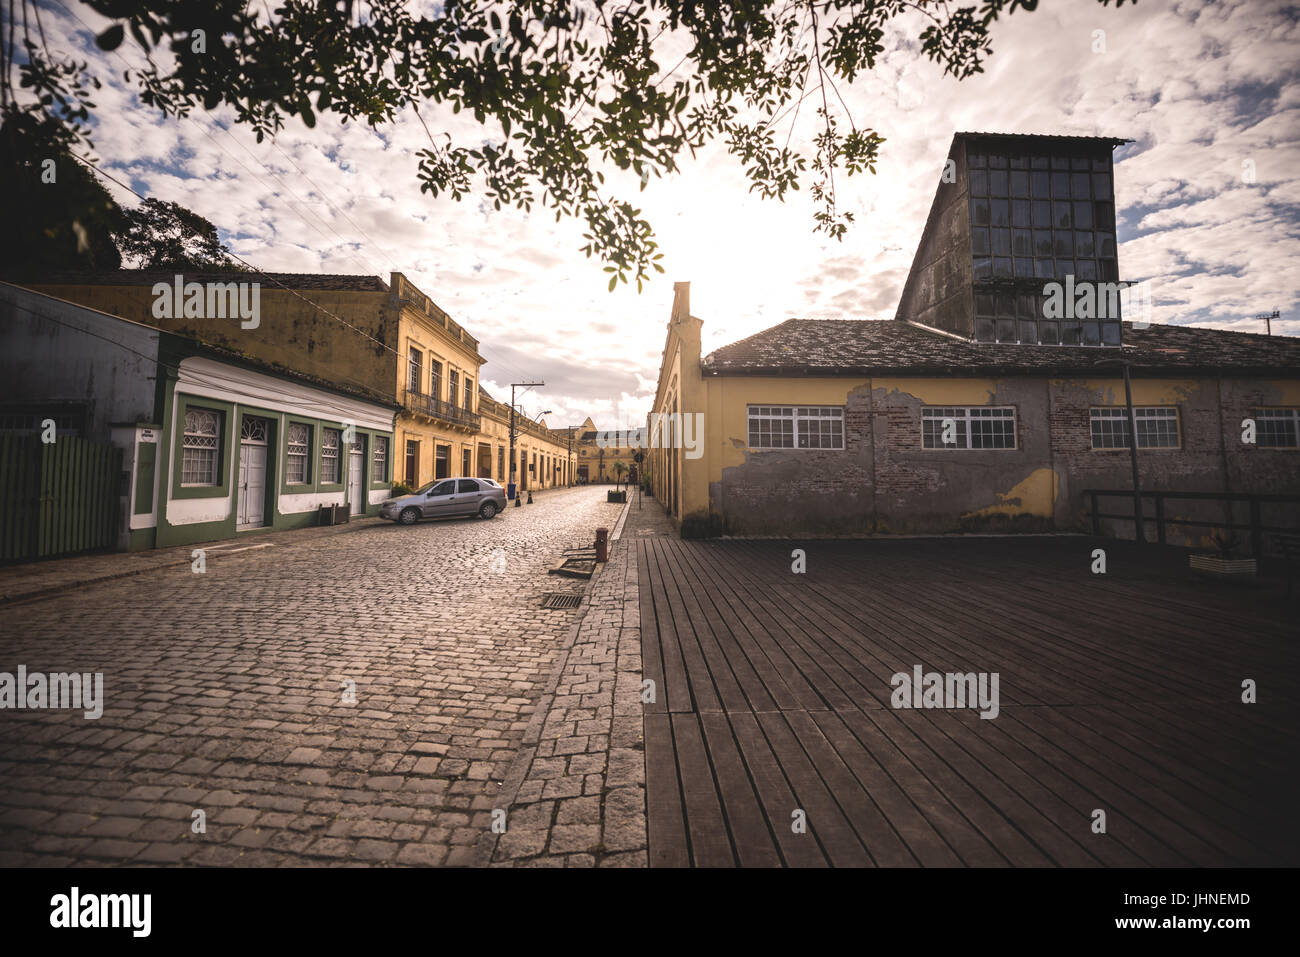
(971, 427)
(199, 455)
(299, 441)
(329, 456)
(789, 427)
(1157, 427)
(1277, 428)
(379, 460)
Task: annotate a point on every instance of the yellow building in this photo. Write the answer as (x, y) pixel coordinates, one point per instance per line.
(599, 453)
(995, 400)
(450, 425)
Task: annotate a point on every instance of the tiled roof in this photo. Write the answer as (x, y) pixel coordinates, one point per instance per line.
(1043, 137)
(147, 277)
(877, 347)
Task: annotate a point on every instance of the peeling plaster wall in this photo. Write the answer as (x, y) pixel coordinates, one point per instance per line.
(883, 481)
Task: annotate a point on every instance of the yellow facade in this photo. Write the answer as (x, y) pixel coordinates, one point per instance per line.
(449, 426)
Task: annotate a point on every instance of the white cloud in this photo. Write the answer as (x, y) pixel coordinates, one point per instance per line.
(1201, 87)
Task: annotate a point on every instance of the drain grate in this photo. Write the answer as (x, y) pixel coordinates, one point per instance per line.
(560, 599)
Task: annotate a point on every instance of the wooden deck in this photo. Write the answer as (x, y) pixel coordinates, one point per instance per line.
(1119, 692)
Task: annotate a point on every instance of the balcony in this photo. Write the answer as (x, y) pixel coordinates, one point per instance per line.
(452, 415)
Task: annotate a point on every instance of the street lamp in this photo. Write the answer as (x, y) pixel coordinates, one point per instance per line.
(1139, 534)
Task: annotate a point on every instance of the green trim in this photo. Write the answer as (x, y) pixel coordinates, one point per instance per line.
(388, 461)
(275, 426)
(321, 485)
(141, 539)
(225, 450)
(299, 488)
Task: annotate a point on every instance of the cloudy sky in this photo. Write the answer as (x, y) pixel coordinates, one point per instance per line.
(1208, 195)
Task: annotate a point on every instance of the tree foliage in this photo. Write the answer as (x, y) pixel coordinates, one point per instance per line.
(161, 235)
(563, 89)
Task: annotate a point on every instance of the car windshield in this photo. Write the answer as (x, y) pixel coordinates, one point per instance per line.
(426, 486)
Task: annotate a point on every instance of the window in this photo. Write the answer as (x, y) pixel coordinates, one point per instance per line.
(467, 485)
(435, 379)
(453, 380)
(379, 461)
(975, 427)
(465, 462)
(444, 488)
(1157, 427)
(796, 427)
(1277, 428)
(412, 463)
(329, 456)
(414, 368)
(299, 449)
(201, 453)
(469, 393)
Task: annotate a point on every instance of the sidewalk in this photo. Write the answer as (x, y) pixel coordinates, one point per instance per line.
(575, 796)
(39, 579)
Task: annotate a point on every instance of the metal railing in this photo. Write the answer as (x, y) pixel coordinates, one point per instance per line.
(1254, 524)
(437, 409)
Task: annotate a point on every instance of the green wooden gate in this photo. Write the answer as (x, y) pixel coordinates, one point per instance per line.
(58, 498)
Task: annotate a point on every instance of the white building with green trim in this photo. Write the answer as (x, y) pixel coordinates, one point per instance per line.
(214, 444)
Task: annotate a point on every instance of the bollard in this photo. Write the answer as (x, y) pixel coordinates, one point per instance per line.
(530, 496)
(602, 544)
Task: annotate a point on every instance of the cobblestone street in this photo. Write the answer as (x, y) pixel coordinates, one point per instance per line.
(227, 693)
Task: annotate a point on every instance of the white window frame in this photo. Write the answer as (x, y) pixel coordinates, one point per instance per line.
(1289, 414)
(379, 459)
(798, 418)
(297, 454)
(1142, 413)
(196, 445)
(329, 453)
(414, 369)
(964, 416)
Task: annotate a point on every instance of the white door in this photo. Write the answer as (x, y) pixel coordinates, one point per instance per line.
(356, 474)
(252, 473)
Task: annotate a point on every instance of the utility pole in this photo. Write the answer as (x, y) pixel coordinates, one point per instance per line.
(1268, 318)
(514, 461)
(1138, 530)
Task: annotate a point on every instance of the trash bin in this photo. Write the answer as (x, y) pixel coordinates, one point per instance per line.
(510, 490)
(326, 515)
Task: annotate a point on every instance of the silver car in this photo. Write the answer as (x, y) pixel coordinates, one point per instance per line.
(446, 498)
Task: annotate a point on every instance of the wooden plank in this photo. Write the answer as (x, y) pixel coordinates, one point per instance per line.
(705, 824)
(825, 819)
(751, 832)
(773, 790)
(652, 667)
(665, 819)
(676, 690)
(872, 828)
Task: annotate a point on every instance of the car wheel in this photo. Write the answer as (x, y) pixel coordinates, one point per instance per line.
(489, 510)
(409, 516)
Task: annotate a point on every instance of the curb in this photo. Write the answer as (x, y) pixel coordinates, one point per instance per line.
(523, 761)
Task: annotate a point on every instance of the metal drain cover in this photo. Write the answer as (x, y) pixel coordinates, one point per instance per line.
(561, 599)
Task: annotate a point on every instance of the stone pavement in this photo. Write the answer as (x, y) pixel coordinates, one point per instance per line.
(353, 699)
(577, 790)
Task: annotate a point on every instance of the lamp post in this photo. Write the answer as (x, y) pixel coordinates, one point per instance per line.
(514, 463)
(1138, 530)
